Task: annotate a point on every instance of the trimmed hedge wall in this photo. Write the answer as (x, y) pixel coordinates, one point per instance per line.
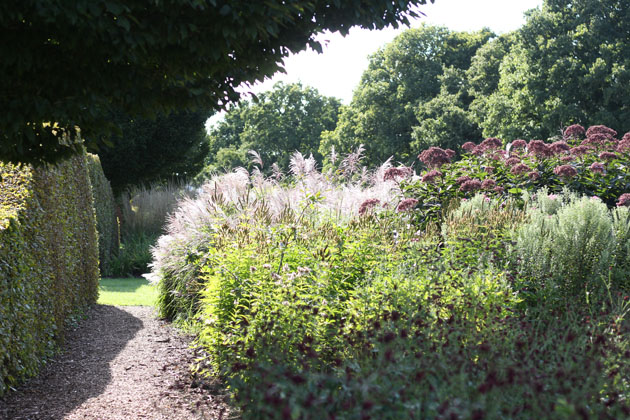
(105, 208)
(48, 260)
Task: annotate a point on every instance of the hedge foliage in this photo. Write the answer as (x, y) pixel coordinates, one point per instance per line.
(105, 208)
(48, 260)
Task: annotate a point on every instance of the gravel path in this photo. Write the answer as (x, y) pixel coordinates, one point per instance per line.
(121, 363)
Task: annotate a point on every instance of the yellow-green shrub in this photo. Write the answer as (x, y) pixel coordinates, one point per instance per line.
(48, 260)
(105, 208)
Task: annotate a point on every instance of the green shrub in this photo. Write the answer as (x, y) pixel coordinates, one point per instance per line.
(106, 220)
(134, 256)
(48, 260)
(568, 253)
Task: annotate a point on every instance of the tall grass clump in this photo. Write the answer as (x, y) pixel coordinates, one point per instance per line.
(229, 205)
(143, 215)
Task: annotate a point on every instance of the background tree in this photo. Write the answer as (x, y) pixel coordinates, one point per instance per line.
(290, 117)
(570, 64)
(67, 65)
(400, 76)
(147, 151)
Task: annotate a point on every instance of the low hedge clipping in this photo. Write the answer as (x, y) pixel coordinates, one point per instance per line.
(48, 260)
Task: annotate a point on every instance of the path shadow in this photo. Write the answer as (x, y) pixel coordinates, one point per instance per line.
(81, 372)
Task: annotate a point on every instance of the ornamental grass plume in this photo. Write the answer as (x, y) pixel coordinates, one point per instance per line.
(565, 171)
(434, 157)
(574, 132)
(624, 200)
(406, 205)
(431, 176)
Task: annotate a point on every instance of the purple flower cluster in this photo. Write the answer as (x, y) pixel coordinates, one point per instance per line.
(533, 175)
(368, 204)
(469, 146)
(624, 200)
(559, 147)
(596, 140)
(538, 148)
(488, 184)
(512, 161)
(394, 173)
(407, 204)
(431, 176)
(462, 179)
(575, 131)
(491, 143)
(580, 150)
(565, 171)
(519, 144)
(609, 133)
(519, 169)
(597, 168)
(434, 157)
(567, 158)
(607, 156)
(470, 185)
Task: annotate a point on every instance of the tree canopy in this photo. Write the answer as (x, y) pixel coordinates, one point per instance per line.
(147, 151)
(401, 75)
(67, 65)
(288, 118)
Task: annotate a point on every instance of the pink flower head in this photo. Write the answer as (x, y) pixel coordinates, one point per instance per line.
(488, 169)
(567, 158)
(533, 175)
(601, 129)
(519, 144)
(624, 200)
(431, 175)
(450, 153)
(595, 139)
(434, 157)
(368, 204)
(462, 179)
(519, 169)
(624, 144)
(491, 143)
(559, 147)
(407, 204)
(499, 189)
(477, 151)
(394, 173)
(471, 185)
(597, 168)
(488, 184)
(607, 156)
(575, 131)
(539, 148)
(565, 171)
(580, 150)
(469, 146)
(512, 161)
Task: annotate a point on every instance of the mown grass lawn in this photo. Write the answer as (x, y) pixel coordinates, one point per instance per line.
(127, 292)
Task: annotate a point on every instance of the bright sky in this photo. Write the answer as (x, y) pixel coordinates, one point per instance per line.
(337, 71)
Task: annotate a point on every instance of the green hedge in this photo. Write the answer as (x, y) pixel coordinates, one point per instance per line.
(48, 260)
(105, 208)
